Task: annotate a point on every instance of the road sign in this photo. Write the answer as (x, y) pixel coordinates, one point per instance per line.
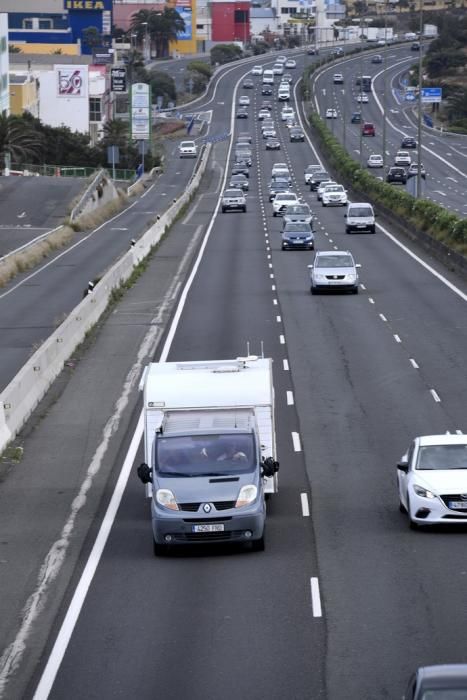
(118, 79)
(431, 94)
(410, 97)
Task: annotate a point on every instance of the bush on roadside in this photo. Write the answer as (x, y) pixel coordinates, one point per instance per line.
(225, 53)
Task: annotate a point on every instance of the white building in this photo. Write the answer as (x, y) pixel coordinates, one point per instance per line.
(262, 19)
(4, 66)
(64, 97)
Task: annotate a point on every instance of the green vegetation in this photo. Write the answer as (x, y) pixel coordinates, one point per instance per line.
(225, 53)
(160, 27)
(198, 74)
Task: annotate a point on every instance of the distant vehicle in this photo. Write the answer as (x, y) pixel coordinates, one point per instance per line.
(338, 79)
(415, 46)
(334, 270)
(366, 83)
(282, 200)
(267, 90)
(321, 187)
(375, 161)
(309, 170)
(287, 112)
(287, 78)
(360, 217)
(276, 187)
(312, 51)
(281, 59)
(410, 36)
(242, 113)
(245, 136)
(269, 132)
(413, 170)
(362, 98)
(432, 682)
(263, 114)
(368, 129)
(241, 169)
(409, 142)
(266, 104)
(257, 70)
(334, 196)
(273, 144)
(233, 199)
(188, 149)
(296, 134)
(331, 113)
(337, 51)
(268, 77)
(297, 235)
(239, 182)
(281, 169)
(377, 58)
(356, 118)
(290, 63)
(248, 84)
(402, 158)
(298, 214)
(244, 101)
(432, 482)
(396, 175)
(317, 178)
(283, 94)
(278, 69)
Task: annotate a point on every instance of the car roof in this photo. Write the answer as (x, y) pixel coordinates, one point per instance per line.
(444, 439)
(332, 253)
(443, 673)
(360, 204)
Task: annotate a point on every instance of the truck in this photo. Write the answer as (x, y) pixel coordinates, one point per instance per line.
(210, 451)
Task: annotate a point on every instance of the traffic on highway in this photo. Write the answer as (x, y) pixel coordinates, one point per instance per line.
(281, 320)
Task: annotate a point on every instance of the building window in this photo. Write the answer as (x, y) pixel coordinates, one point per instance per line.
(241, 17)
(284, 10)
(45, 24)
(28, 24)
(200, 26)
(293, 10)
(95, 114)
(3, 44)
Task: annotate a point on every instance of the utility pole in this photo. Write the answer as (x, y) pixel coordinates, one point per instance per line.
(385, 83)
(420, 83)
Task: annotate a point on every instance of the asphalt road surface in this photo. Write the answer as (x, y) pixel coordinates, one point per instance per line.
(366, 374)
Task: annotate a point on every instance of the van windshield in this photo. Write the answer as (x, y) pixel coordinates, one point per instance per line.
(361, 211)
(205, 455)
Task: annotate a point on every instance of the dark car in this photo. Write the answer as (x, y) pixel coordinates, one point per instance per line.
(243, 155)
(296, 236)
(368, 129)
(267, 90)
(377, 58)
(265, 104)
(356, 118)
(415, 46)
(248, 84)
(276, 187)
(239, 182)
(317, 178)
(443, 681)
(242, 113)
(338, 51)
(312, 51)
(413, 170)
(397, 175)
(408, 142)
(240, 168)
(273, 144)
(296, 134)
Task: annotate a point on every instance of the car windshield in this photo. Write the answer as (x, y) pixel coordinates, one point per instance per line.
(320, 176)
(233, 193)
(333, 188)
(238, 178)
(298, 209)
(297, 228)
(205, 455)
(442, 457)
(334, 261)
(285, 197)
(360, 211)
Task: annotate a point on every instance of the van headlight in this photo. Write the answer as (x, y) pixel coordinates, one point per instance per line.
(246, 496)
(166, 498)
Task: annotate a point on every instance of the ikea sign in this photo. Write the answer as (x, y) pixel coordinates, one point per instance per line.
(85, 5)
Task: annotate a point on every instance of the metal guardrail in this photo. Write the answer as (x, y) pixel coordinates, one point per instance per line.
(67, 170)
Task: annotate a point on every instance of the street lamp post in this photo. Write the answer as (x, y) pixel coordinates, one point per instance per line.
(420, 82)
(146, 42)
(361, 87)
(385, 85)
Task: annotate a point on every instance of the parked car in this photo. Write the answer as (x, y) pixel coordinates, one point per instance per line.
(432, 480)
(375, 161)
(233, 199)
(334, 270)
(368, 129)
(396, 175)
(297, 235)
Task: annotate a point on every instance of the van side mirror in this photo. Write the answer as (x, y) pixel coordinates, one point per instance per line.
(345, 216)
(269, 467)
(403, 467)
(144, 473)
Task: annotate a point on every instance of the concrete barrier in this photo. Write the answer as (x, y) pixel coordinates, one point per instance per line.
(101, 191)
(29, 386)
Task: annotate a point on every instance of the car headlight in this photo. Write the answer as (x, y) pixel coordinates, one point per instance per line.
(246, 496)
(166, 498)
(424, 493)
(351, 277)
(320, 276)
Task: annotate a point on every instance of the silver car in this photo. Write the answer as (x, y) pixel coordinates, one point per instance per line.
(298, 213)
(334, 270)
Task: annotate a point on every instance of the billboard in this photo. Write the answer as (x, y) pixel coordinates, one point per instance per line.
(185, 10)
(140, 111)
(72, 81)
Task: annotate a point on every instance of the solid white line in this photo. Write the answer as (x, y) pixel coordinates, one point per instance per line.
(315, 598)
(305, 506)
(296, 442)
(77, 602)
(290, 399)
(285, 365)
(397, 339)
(282, 340)
(435, 396)
(413, 363)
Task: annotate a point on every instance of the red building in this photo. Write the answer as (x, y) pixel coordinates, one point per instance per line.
(230, 20)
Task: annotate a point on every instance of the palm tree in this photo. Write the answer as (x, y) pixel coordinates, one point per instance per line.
(19, 141)
(162, 28)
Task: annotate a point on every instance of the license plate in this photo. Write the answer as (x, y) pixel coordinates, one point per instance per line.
(215, 527)
(458, 505)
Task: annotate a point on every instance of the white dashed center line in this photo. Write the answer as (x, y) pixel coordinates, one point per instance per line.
(296, 442)
(315, 597)
(305, 505)
(290, 400)
(435, 396)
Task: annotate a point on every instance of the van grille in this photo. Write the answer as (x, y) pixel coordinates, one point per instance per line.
(218, 505)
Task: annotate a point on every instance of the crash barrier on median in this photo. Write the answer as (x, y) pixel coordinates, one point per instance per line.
(101, 191)
(29, 386)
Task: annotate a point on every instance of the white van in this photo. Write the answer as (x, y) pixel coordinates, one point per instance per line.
(268, 77)
(360, 217)
(283, 93)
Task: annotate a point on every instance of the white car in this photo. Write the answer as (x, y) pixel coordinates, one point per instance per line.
(281, 59)
(263, 114)
(331, 113)
(432, 480)
(402, 158)
(281, 169)
(283, 94)
(290, 63)
(283, 200)
(257, 70)
(362, 97)
(269, 132)
(309, 170)
(244, 101)
(188, 149)
(287, 113)
(278, 69)
(338, 79)
(322, 185)
(375, 161)
(334, 195)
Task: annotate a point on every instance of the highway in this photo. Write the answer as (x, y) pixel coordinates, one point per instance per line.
(444, 156)
(366, 374)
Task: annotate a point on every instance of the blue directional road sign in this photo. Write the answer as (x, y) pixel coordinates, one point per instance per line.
(410, 97)
(431, 94)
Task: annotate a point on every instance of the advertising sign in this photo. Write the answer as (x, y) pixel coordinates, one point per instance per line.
(185, 10)
(118, 79)
(71, 81)
(140, 111)
(102, 56)
(430, 95)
